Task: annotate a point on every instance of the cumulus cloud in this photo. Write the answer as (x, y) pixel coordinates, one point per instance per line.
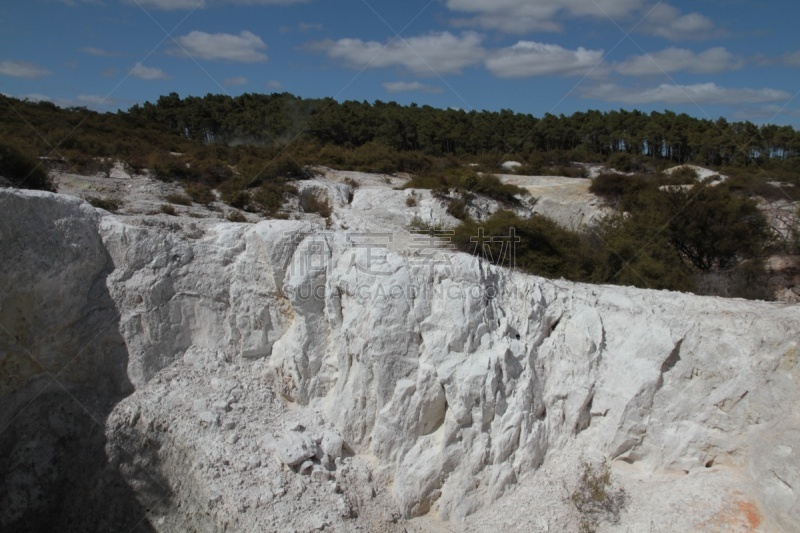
(526, 59)
(232, 82)
(273, 84)
(701, 93)
(442, 53)
(522, 16)
(148, 73)
(669, 60)
(409, 86)
(667, 21)
(244, 48)
(21, 69)
(525, 16)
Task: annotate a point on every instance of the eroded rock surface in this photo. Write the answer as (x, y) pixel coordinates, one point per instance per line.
(288, 378)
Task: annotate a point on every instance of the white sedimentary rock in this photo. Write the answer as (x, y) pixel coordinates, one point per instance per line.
(459, 380)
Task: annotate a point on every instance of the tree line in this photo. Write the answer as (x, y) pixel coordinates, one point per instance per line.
(247, 132)
(280, 118)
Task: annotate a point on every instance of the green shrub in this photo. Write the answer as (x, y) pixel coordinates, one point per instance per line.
(136, 163)
(418, 225)
(764, 187)
(81, 163)
(634, 250)
(714, 229)
(166, 167)
(669, 238)
(167, 209)
(624, 162)
(612, 186)
(620, 189)
(286, 166)
(432, 181)
(467, 181)
(237, 199)
(566, 171)
(22, 170)
(491, 186)
(596, 498)
(258, 167)
(109, 204)
(199, 193)
(236, 216)
(312, 204)
(233, 192)
(544, 248)
(269, 198)
(748, 279)
(178, 199)
(683, 175)
(458, 208)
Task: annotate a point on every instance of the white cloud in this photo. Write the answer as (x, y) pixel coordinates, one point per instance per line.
(272, 84)
(527, 58)
(99, 52)
(232, 82)
(412, 86)
(523, 16)
(148, 73)
(666, 21)
(793, 60)
(701, 93)
(244, 48)
(20, 69)
(436, 53)
(669, 60)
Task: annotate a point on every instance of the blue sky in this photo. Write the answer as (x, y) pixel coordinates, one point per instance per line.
(739, 59)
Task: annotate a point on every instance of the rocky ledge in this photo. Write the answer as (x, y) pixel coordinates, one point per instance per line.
(163, 373)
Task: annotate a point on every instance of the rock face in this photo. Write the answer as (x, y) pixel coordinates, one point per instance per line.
(53, 300)
(63, 363)
(421, 387)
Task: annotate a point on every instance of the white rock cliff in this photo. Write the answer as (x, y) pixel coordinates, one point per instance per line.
(259, 353)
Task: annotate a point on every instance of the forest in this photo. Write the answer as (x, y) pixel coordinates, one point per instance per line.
(282, 120)
(249, 147)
